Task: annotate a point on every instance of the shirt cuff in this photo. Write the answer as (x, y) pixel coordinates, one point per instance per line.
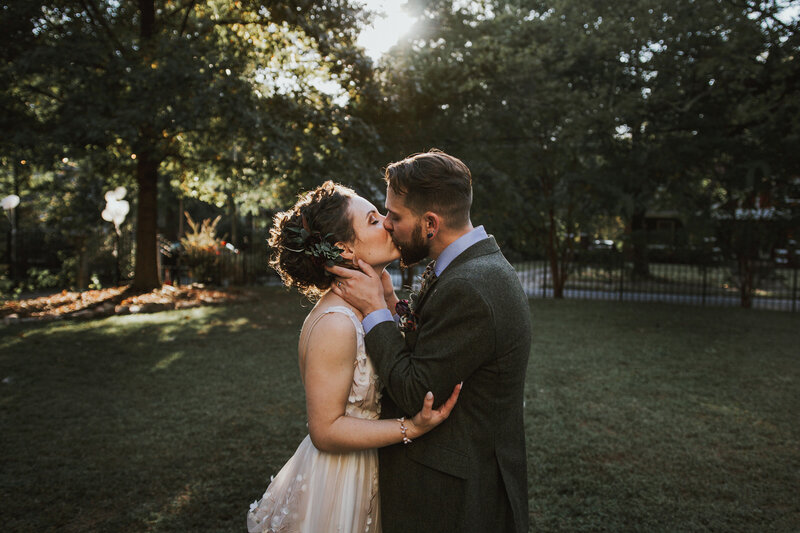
(375, 318)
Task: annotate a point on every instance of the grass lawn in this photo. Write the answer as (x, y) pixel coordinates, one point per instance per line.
(640, 417)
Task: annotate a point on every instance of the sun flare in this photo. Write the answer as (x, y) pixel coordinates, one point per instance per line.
(389, 25)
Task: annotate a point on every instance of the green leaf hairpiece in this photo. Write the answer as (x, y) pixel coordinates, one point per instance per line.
(314, 244)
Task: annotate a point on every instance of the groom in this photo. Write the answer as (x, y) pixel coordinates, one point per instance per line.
(473, 325)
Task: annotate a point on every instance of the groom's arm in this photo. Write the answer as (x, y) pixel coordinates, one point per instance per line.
(455, 337)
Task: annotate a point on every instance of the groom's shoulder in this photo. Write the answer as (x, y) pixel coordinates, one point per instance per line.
(490, 272)
(486, 258)
(482, 272)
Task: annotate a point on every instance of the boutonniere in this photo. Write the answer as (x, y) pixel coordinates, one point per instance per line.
(408, 318)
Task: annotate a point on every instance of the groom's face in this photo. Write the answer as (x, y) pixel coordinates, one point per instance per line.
(405, 227)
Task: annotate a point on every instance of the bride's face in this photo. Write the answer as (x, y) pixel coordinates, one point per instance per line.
(373, 244)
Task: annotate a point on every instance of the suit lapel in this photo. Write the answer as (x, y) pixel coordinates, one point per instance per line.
(428, 289)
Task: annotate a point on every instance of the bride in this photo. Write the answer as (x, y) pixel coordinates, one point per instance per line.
(331, 482)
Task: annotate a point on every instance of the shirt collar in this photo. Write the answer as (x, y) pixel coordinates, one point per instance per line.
(457, 247)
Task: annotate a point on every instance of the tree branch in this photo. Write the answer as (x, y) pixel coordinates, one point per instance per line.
(44, 92)
(189, 9)
(100, 22)
(180, 8)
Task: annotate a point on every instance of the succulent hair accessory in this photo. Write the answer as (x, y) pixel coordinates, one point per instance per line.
(314, 244)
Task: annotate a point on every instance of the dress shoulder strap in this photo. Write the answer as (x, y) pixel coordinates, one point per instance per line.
(345, 311)
(339, 309)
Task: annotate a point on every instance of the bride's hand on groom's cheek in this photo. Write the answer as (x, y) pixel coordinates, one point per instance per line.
(388, 291)
(362, 288)
(428, 418)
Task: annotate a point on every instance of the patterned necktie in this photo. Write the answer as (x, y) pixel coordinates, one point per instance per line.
(427, 278)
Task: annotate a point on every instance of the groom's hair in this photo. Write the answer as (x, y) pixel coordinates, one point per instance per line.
(433, 181)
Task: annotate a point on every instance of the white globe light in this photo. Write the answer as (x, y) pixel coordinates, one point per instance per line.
(119, 193)
(124, 207)
(116, 194)
(119, 210)
(116, 211)
(10, 202)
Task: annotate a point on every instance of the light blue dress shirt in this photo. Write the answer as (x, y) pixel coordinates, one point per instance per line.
(455, 249)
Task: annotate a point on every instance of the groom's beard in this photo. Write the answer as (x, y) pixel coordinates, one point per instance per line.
(415, 250)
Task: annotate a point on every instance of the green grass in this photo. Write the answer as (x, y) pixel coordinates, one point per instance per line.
(663, 418)
(640, 417)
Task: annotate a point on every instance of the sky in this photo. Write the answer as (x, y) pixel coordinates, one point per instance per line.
(392, 22)
(389, 25)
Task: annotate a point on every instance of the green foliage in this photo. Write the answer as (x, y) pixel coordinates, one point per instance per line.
(316, 245)
(36, 279)
(41, 279)
(220, 96)
(572, 113)
(569, 114)
(8, 289)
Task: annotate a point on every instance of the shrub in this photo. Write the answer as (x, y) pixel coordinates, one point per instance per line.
(202, 249)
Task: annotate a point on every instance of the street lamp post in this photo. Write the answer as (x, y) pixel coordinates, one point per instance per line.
(9, 204)
(116, 210)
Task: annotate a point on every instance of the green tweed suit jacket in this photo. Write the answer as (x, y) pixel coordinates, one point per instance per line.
(468, 474)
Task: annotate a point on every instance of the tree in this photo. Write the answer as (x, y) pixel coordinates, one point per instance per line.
(175, 86)
(503, 85)
(691, 82)
(750, 133)
(571, 113)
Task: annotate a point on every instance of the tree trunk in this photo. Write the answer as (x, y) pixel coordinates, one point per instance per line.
(407, 277)
(641, 266)
(556, 273)
(13, 261)
(746, 275)
(82, 274)
(180, 215)
(145, 276)
(234, 215)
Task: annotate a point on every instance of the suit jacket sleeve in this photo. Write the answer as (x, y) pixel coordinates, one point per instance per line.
(455, 336)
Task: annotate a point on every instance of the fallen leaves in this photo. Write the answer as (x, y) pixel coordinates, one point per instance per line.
(117, 300)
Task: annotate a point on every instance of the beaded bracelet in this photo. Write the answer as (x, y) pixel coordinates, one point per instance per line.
(403, 429)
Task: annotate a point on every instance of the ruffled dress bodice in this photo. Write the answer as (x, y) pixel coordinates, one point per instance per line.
(317, 491)
(364, 400)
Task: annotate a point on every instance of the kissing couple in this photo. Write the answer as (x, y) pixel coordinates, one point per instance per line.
(415, 409)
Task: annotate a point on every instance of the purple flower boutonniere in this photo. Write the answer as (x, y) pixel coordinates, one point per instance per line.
(408, 318)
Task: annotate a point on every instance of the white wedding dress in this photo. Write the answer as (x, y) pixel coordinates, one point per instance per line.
(319, 492)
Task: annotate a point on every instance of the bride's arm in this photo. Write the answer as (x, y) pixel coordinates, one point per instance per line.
(328, 376)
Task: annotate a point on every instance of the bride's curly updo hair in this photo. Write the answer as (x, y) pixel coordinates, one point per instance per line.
(325, 210)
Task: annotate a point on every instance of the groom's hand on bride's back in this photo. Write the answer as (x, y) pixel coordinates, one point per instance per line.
(362, 288)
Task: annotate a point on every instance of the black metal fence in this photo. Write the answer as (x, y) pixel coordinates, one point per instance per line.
(247, 268)
(774, 287)
(243, 268)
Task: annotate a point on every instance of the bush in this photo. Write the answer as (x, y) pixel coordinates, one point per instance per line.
(36, 279)
(202, 249)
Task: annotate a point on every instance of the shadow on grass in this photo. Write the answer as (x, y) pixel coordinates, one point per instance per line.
(148, 422)
(638, 417)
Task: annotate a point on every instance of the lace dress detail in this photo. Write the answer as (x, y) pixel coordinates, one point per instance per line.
(320, 492)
